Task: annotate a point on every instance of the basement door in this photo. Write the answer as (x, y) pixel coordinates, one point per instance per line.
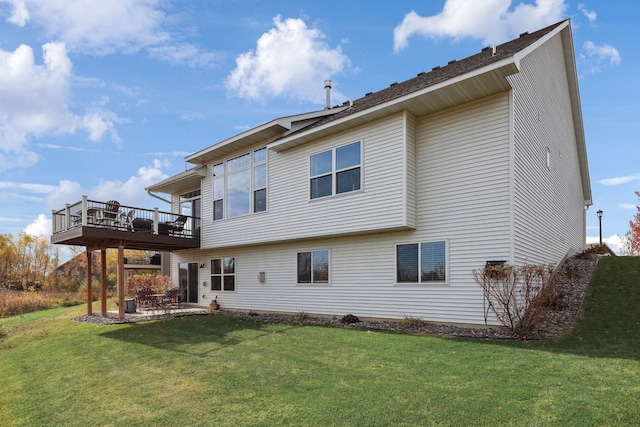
(188, 279)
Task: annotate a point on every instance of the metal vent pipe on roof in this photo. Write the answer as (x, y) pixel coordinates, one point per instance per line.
(327, 89)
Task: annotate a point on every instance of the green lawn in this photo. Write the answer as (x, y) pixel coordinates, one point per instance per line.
(213, 370)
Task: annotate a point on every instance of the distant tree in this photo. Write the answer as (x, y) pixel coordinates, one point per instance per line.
(632, 238)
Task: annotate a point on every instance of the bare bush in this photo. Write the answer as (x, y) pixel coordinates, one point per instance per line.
(520, 297)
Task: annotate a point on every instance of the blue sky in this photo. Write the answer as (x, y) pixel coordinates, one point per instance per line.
(104, 98)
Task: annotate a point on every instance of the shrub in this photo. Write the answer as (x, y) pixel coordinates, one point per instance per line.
(520, 297)
(157, 283)
(410, 322)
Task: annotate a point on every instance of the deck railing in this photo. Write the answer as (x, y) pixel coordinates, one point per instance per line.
(112, 215)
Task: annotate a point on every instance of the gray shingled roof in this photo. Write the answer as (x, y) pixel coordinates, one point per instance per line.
(440, 74)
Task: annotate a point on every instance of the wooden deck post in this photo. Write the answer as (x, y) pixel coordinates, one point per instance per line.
(89, 290)
(103, 274)
(121, 281)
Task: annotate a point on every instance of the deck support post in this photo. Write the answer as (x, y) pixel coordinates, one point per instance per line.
(89, 290)
(121, 281)
(103, 275)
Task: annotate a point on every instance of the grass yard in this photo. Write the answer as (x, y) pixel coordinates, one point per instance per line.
(214, 370)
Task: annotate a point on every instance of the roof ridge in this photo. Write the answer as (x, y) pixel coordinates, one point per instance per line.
(439, 74)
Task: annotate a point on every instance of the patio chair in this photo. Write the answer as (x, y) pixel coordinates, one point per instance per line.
(145, 298)
(177, 226)
(109, 215)
(125, 220)
(171, 297)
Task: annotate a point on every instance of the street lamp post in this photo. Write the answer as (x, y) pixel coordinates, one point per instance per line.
(599, 213)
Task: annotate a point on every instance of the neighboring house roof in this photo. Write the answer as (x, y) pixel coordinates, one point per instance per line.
(474, 77)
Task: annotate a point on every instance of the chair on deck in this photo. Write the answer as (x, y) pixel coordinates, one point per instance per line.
(125, 220)
(177, 226)
(109, 215)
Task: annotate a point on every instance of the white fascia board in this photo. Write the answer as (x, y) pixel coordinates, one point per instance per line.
(265, 131)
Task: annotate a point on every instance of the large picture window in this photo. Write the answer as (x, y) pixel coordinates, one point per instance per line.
(421, 262)
(223, 274)
(335, 171)
(313, 267)
(240, 185)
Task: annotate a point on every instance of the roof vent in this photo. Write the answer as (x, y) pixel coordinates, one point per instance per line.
(368, 93)
(493, 53)
(524, 34)
(437, 67)
(393, 84)
(327, 89)
(421, 73)
(453, 61)
(486, 48)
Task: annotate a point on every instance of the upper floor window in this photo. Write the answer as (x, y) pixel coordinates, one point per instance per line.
(421, 263)
(335, 171)
(240, 185)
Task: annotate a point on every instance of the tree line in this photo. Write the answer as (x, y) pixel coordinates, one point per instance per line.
(33, 263)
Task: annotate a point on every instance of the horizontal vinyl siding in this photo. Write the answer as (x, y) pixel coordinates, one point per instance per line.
(548, 204)
(362, 282)
(459, 159)
(379, 205)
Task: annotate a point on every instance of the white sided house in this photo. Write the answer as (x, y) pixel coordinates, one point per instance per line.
(383, 207)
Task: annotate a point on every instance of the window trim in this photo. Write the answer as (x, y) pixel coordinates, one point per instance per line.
(420, 282)
(313, 282)
(222, 274)
(335, 171)
(222, 177)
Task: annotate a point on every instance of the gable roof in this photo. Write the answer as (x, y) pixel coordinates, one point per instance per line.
(459, 81)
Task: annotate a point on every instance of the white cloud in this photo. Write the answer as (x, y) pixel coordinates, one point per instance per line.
(595, 57)
(130, 192)
(493, 21)
(105, 27)
(40, 227)
(620, 179)
(615, 242)
(590, 14)
(290, 60)
(627, 206)
(34, 101)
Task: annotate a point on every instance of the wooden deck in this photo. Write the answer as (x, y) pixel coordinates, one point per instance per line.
(98, 225)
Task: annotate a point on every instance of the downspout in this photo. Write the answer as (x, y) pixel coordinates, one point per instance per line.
(158, 197)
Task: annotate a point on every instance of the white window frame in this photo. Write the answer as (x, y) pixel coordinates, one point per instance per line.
(223, 177)
(313, 281)
(334, 171)
(421, 282)
(222, 274)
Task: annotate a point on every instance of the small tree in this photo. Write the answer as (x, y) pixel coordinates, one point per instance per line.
(520, 297)
(632, 238)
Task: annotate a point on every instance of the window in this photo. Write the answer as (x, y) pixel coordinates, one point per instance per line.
(335, 171)
(218, 191)
(240, 185)
(260, 180)
(421, 263)
(223, 274)
(313, 267)
(190, 204)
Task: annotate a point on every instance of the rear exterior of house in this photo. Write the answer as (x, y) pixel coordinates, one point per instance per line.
(385, 206)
